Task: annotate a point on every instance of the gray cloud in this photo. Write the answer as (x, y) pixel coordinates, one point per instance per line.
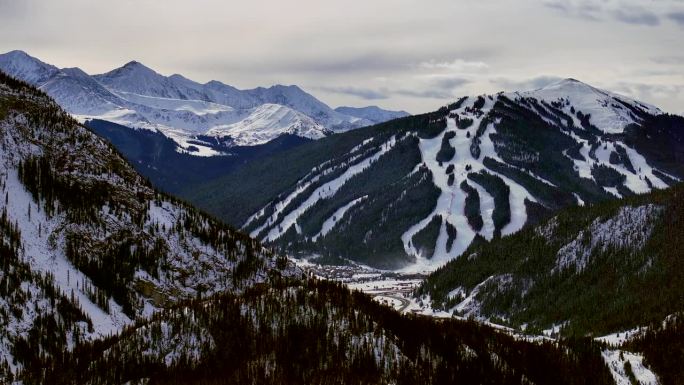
(585, 10)
(626, 11)
(669, 59)
(435, 88)
(656, 94)
(636, 15)
(403, 54)
(447, 82)
(525, 84)
(363, 93)
(427, 94)
(677, 17)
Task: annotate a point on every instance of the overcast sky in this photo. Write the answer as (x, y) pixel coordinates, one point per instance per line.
(400, 54)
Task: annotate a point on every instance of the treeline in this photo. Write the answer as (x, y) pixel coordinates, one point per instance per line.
(370, 231)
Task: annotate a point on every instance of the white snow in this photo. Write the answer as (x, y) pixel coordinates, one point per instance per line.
(600, 104)
(330, 223)
(44, 259)
(451, 202)
(618, 338)
(628, 230)
(137, 96)
(267, 122)
(616, 364)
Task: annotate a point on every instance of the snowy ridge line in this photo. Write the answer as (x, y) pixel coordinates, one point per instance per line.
(337, 216)
(634, 182)
(135, 95)
(604, 107)
(327, 190)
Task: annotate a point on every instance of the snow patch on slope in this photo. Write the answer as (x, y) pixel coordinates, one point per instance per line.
(268, 122)
(616, 361)
(451, 202)
(605, 111)
(628, 230)
(330, 223)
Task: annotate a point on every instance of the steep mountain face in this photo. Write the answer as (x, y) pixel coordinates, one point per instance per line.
(599, 269)
(415, 192)
(137, 96)
(266, 122)
(88, 247)
(105, 280)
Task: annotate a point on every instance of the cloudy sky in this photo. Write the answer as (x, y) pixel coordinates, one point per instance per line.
(401, 54)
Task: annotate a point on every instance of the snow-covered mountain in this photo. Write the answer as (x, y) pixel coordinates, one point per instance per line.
(104, 280)
(22, 66)
(416, 192)
(88, 244)
(373, 114)
(137, 96)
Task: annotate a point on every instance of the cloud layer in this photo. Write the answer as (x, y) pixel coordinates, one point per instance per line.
(400, 54)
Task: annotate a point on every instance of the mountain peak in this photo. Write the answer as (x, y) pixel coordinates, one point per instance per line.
(23, 66)
(606, 109)
(135, 65)
(17, 53)
(568, 83)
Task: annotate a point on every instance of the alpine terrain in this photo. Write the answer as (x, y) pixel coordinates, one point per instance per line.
(414, 193)
(104, 280)
(170, 127)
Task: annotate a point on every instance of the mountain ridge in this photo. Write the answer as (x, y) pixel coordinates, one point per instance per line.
(88, 245)
(509, 159)
(137, 96)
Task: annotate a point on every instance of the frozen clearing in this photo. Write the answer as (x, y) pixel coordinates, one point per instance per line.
(616, 359)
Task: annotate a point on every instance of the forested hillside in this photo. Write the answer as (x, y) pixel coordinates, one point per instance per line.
(600, 269)
(317, 332)
(88, 245)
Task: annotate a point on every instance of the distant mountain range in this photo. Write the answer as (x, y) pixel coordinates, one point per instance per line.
(138, 97)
